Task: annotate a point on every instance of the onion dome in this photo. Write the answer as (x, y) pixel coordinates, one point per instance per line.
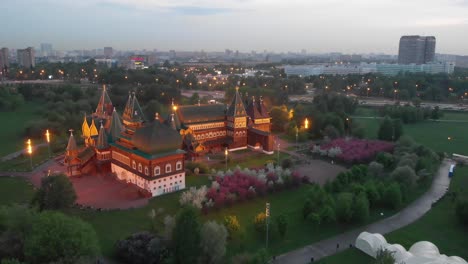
(157, 138)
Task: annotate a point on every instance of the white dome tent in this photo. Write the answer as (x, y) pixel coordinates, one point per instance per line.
(422, 252)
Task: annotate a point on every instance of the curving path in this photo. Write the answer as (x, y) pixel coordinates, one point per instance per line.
(411, 213)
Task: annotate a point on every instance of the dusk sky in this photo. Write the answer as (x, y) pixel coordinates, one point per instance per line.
(361, 26)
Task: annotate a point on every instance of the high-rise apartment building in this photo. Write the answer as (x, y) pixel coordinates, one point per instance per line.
(4, 58)
(108, 52)
(26, 57)
(416, 49)
(46, 49)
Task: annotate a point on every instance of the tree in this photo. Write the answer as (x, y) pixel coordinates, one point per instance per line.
(56, 193)
(213, 242)
(57, 237)
(462, 211)
(15, 226)
(187, 236)
(384, 257)
(392, 196)
(386, 130)
(361, 207)
(436, 113)
(344, 210)
(282, 224)
(397, 129)
(232, 225)
(279, 117)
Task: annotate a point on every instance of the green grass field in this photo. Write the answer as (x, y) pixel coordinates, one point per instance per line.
(13, 124)
(439, 226)
(15, 190)
(431, 134)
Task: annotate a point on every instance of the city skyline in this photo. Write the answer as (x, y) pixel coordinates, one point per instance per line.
(361, 26)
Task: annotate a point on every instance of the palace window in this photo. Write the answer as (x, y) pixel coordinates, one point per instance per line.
(146, 170)
(157, 171)
(134, 165)
(168, 168)
(179, 165)
(140, 168)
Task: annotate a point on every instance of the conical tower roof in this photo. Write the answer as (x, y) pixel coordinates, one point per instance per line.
(237, 108)
(132, 112)
(104, 107)
(85, 128)
(262, 109)
(252, 109)
(71, 147)
(93, 129)
(115, 128)
(102, 139)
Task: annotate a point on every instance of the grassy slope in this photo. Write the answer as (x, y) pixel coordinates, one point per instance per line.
(439, 226)
(431, 134)
(15, 190)
(13, 124)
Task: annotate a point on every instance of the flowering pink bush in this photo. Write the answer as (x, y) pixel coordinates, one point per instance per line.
(241, 185)
(358, 150)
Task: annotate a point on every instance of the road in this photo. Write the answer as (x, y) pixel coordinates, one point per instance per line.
(411, 213)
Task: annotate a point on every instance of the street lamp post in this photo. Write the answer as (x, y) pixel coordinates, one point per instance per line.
(267, 217)
(225, 157)
(29, 150)
(278, 152)
(297, 135)
(47, 134)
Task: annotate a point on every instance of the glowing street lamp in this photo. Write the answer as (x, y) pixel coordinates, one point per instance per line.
(47, 134)
(29, 150)
(306, 123)
(226, 157)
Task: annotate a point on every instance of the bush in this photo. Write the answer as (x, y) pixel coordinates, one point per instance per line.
(286, 163)
(404, 175)
(462, 211)
(260, 223)
(282, 225)
(232, 225)
(392, 196)
(142, 247)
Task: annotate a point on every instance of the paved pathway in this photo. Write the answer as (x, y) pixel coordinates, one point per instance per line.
(405, 217)
(19, 152)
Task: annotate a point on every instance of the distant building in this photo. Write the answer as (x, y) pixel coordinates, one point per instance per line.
(416, 49)
(26, 57)
(4, 61)
(364, 68)
(108, 52)
(46, 49)
(172, 54)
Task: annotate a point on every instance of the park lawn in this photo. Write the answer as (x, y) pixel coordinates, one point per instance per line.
(23, 162)
(439, 226)
(349, 256)
(15, 190)
(250, 160)
(13, 125)
(455, 115)
(429, 133)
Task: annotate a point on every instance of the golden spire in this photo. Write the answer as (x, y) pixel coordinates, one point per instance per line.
(93, 129)
(85, 128)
